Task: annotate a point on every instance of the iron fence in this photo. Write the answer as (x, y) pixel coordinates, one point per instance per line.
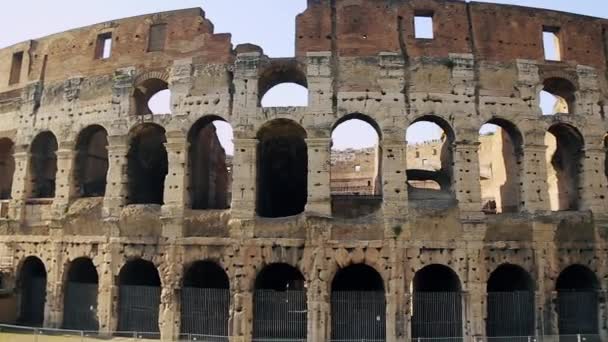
(358, 316)
(80, 308)
(279, 315)
(510, 314)
(138, 309)
(205, 313)
(33, 297)
(437, 315)
(577, 312)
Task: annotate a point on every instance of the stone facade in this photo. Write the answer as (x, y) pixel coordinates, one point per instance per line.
(358, 59)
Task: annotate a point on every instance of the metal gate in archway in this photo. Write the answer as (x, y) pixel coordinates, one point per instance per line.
(33, 299)
(279, 315)
(138, 308)
(510, 314)
(358, 316)
(577, 312)
(205, 312)
(437, 315)
(80, 309)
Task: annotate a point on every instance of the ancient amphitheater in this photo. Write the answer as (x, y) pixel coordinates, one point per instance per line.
(116, 219)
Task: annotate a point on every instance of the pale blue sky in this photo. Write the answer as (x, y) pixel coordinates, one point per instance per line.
(268, 23)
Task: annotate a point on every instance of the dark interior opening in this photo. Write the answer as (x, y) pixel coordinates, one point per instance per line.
(92, 162)
(144, 92)
(7, 168)
(209, 177)
(206, 274)
(577, 301)
(44, 165)
(359, 277)
(32, 286)
(436, 278)
(80, 297)
(279, 277)
(282, 169)
(139, 273)
(82, 270)
(577, 278)
(566, 162)
(510, 278)
(147, 165)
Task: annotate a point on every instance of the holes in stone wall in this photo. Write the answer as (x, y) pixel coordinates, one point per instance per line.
(43, 165)
(152, 96)
(564, 157)
(282, 169)
(138, 283)
(557, 96)
(80, 296)
(210, 154)
(7, 168)
(92, 162)
(551, 43)
(147, 165)
(423, 25)
(429, 159)
(500, 163)
(32, 292)
(577, 301)
(16, 66)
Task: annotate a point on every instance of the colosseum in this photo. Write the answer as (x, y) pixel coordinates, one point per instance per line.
(117, 220)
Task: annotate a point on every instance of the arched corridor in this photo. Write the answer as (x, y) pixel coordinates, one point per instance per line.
(80, 297)
(577, 301)
(279, 304)
(358, 304)
(147, 165)
(7, 168)
(565, 154)
(32, 292)
(139, 297)
(43, 165)
(92, 161)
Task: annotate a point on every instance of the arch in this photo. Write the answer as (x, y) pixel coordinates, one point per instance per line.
(450, 135)
(80, 299)
(43, 165)
(564, 166)
(564, 91)
(32, 292)
(282, 164)
(279, 303)
(147, 87)
(92, 164)
(437, 303)
(139, 297)
(147, 164)
(501, 166)
(358, 304)
(210, 179)
(510, 306)
(281, 71)
(7, 167)
(205, 300)
(355, 172)
(577, 301)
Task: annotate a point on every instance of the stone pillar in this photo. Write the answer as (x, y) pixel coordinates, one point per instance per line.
(320, 81)
(21, 183)
(319, 306)
(64, 180)
(116, 188)
(53, 316)
(592, 180)
(319, 173)
(395, 296)
(466, 181)
(176, 196)
(393, 170)
(169, 318)
(534, 189)
(543, 235)
(246, 98)
(107, 296)
(244, 181)
(241, 316)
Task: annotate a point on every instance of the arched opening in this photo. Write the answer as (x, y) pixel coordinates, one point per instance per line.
(355, 177)
(510, 302)
(279, 304)
(32, 292)
(577, 301)
(286, 95)
(283, 84)
(139, 297)
(429, 160)
(557, 96)
(43, 165)
(147, 165)
(282, 169)
(152, 96)
(205, 299)
(437, 303)
(358, 304)
(7, 168)
(564, 157)
(210, 156)
(80, 299)
(500, 164)
(92, 162)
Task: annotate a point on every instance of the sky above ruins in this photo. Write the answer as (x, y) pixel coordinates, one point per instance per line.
(268, 23)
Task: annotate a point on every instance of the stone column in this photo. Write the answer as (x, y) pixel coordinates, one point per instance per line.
(241, 316)
(116, 188)
(396, 296)
(169, 318)
(176, 196)
(393, 170)
(244, 181)
(593, 180)
(319, 173)
(466, 181)
(475, 298)
(64, 180)
(246, 98)
(53, 317)
(21, 183)
(534, 189)
(318, 305)
(107, 297)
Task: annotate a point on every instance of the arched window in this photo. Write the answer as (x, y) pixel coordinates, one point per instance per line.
(429, 160)
(282, 169)
(564, 157)
(356, 177)
(80, 298)
(138, 297)
(557, 96)
(152, 96)
(32, 292)
(210, 154)
(437, 304)
(205, 299)
(358, 304)
(500, 163)
(7, 168)
(279, 304)
(147, 165)
(286, 95)
(43, 165)
(510, 302)
(92, 162)
(577, 301)
(282, 84)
